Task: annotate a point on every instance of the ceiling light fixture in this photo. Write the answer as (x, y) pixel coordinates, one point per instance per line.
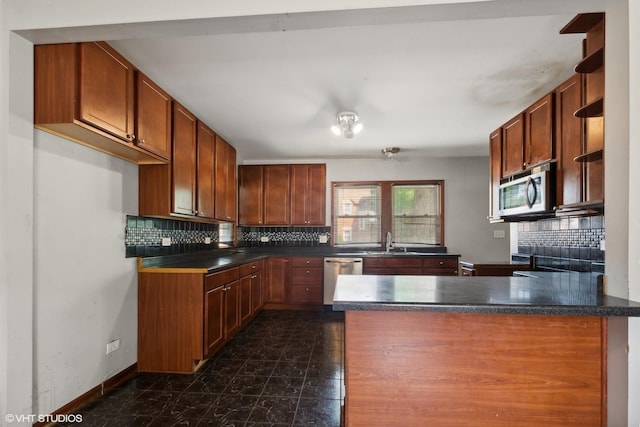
(389, 152)
(348, 124)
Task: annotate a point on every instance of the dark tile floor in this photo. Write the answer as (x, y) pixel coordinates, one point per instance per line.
(286, 368)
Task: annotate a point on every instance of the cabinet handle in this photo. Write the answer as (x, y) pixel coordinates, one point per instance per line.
(524, 165)
(253, 267)
(131, 137)
(306, 289)
(441, 262)
(141, 141)
(307, 271)
(308, 262)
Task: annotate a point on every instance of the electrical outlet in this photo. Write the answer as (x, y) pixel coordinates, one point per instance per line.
(322, 238)
(264, 239)
(113, 346)
(499, 234)
(207, 240)
(166, 241)
(602, 245)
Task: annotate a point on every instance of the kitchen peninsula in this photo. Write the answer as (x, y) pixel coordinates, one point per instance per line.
(475, 350)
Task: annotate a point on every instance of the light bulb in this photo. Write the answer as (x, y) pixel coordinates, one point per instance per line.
(336, 130)
(357, 127)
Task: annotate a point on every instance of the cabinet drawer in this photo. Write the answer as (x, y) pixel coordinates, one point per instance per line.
(251, 267)
(440, 272)
(393, 271)
(441, 262)
(307, 262)
(222, 278)
(306, 276)
(311, 294)
(392, 263)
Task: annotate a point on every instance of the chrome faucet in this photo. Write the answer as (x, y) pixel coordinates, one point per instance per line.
(389, 243)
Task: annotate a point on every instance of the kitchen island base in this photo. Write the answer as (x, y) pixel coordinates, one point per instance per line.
(460, 369)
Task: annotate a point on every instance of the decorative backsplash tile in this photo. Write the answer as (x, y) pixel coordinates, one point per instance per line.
(282, 236)
(569, 243)
(143, 236)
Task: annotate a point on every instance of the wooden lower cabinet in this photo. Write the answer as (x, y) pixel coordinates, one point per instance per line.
(412, 265)
(294, 283)
(464, 369)
(184, 318)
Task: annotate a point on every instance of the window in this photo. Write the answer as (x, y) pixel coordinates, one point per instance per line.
(413, 212)
(356, 214)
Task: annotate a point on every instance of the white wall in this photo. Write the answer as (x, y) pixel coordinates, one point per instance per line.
(85, 290)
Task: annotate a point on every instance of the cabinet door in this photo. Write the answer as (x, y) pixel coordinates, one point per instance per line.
(244, 299)
(256, 292)
(569, 135)
(277, 198)
(277, 280)
(225, 181)
(153, 117)
(308, 191)
(232, 308)
(184, 160)
(495, 153)
(106, 90)
(213, 319)
(250, 197)
(539, 132)
(440, 266)
(205, 175)
(512, 145)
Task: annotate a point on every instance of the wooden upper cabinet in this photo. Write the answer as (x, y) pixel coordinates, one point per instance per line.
(184, 160)
(277, 199)
(539, 137)
(225, 181)
(512, 145)
(85, 92)
(106, 90)
(569, 137)
(308, 194)
(205, 171)
(495, 153)
(250, 196)
(153, 117)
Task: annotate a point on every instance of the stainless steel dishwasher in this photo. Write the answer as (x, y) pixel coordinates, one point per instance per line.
(334, 266)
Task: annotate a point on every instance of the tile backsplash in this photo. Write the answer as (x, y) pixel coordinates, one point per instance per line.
(143, 236)
(569, 243)
(283, 236)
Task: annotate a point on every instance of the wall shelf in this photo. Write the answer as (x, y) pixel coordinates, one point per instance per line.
(582, 23)
(592, 109)
(591, 156)
(591, 63)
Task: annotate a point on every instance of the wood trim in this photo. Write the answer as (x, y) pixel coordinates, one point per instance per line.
(94, 394)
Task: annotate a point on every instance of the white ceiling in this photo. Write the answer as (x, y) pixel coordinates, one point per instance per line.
(432, 80)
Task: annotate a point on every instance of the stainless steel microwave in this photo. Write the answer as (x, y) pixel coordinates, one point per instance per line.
(530, 194)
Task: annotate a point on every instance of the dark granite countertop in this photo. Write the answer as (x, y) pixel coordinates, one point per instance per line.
(562, 295)
(211, 261)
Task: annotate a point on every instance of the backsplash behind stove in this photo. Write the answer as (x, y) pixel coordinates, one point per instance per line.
(568, 243)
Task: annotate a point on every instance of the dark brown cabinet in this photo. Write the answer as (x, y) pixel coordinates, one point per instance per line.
(441, 265)
(277, 280)
(85, 92)
(513, 145)
(225, 181)
(263, 195)
(495, 161)
(308, 194)
(591, 68)
(184, 161)
(539, 138)
(205, 171)
(153, 117)
(250, 290)
(307, 280)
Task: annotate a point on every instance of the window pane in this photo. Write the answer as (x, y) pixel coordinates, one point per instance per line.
(416, 214)
(356, 215)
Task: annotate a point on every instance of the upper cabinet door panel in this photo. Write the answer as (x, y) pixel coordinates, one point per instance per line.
(276, 195)
(153, 117)
(316, 201)
(539, 136)
(250, 197)
(184, 161)
(205, 175)
(106, 90)
(512, 145)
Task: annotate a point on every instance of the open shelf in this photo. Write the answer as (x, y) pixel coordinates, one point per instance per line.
(582, 23)
(591, 63)
(592, 109)
(591, 156)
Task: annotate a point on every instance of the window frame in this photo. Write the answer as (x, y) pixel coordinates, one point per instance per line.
(386, 213)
